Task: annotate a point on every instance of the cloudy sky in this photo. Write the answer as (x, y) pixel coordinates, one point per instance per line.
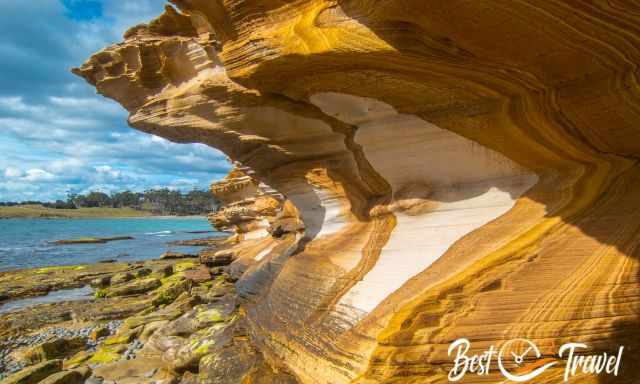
(56, 134)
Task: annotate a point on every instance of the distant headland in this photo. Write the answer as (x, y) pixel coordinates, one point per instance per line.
(154, 202)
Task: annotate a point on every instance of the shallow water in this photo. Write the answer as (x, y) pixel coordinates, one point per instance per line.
(52, 297)
(27, 243)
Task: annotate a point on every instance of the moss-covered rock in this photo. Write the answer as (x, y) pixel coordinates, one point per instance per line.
(101, 282)
(77, 359)
(198, 275)
(182, 304)
(64, 377)
(213, 315)
(122, 337)
(104, 355)
(35, 373)
(134, 287)
(163, 271)
(183, 266)
(142, 272)
(99, 332)
(170, 291)
(55, 349)
(201, 343)
(121, 277)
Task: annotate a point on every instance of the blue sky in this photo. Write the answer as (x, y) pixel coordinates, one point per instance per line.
(56, 134)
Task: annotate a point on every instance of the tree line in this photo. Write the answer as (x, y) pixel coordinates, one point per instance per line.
(158, 201)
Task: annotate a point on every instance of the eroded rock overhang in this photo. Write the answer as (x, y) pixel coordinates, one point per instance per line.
(456, 176)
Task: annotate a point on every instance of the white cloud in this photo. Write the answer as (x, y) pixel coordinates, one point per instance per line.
(36, 174)
(13, 103)
(184, 182)
(65, 165)
(54, 125)
(107, 170)
(11, 172)
(83, 103)
(17, 104)
(102, 168)
(12, 186)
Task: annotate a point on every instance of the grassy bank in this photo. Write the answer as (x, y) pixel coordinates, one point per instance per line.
(38, 211)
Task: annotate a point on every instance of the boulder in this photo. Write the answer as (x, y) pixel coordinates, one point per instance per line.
(141, 370)
(177, 255)
(162, 271)
(134, 287)
(170, 291)
(121, 277)
(100, 282)
(106, 355)
(99, 332)
(142, 272)
(217, 258)
(149, 329)
(184, 265)
(35, 373)
(188, 356)
(198, 275)
(84, 371)
(122, 337)
(64, 377)
(77, 359)
(229, 365)
(55, 349)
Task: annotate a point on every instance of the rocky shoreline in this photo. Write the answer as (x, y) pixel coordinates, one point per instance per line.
(140, 312)
(180, 318)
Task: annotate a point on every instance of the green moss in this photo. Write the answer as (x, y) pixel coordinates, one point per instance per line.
(211, 315)
(78, 359)
(173, 279)
(179, 267)
(104, 356)
(135, 321)
(170, 291)
(41, 271)
(204, 347)
(100, 293)
(123, 338)
(164, 298)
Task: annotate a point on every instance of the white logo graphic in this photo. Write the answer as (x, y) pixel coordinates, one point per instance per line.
(515, 354)
(519, 360)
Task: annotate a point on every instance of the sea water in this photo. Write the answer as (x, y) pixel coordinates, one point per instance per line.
(28, 243)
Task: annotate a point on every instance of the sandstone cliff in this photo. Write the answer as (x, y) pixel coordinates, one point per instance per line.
(462, 169)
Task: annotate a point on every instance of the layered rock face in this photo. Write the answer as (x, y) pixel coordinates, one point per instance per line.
(461, 169)
(248, 208)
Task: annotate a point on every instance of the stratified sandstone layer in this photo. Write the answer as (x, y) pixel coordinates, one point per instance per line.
(462, 169)
(247, 206)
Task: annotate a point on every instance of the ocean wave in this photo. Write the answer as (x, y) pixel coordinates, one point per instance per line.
(12, 249)
(159, 233)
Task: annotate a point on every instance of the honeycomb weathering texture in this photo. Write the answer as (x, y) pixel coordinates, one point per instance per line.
(451, 169)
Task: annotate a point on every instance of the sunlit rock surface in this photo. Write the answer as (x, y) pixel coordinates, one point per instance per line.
(247, 207)
(461, 169)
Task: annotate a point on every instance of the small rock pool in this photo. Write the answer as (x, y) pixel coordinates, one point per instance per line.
(73, 294)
